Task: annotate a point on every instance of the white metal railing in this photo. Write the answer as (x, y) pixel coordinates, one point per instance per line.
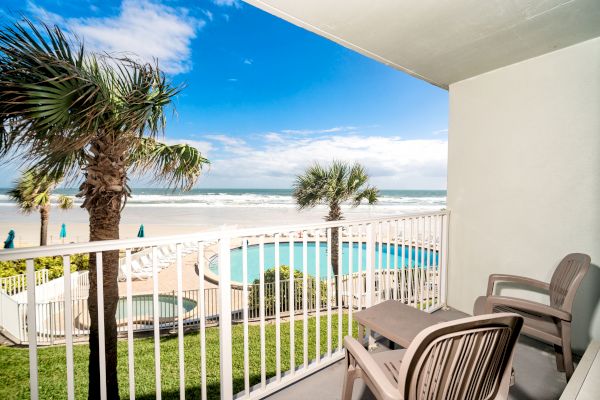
(399, 258)
(54, 290)
(14, 284)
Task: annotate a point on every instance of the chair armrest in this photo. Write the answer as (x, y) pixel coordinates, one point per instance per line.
(369, 366)
(515, 279)
(526, 305)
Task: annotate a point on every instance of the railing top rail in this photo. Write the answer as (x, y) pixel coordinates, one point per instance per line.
(106, 245)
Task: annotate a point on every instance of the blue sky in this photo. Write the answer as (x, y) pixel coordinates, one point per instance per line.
(264, 98)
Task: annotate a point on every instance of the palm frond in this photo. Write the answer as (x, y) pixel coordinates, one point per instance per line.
(338, 183)
(179, 165)
(55, 97)
(311, 188)
(32, 191)
(65, 202)
(370, 194)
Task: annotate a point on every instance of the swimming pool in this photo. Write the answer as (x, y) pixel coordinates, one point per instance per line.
(416, 258)
(143, 306)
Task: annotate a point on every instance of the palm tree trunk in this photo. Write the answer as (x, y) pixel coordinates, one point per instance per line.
(44, 211)
(106, 172)
(335, 214)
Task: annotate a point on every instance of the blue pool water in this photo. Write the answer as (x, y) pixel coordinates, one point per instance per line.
(410, 260)
(143, 306)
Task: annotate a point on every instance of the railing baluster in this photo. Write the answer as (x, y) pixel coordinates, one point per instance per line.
(360, 269)
(411, 263)
(101, 333)
(396, 280)
(350, 280)
(370, 272)
(436, 261)
(305, 298)
(403, 264)
(277, 267)
(68, 328)
(291, 305)
(427, 251)
(156, 322)
(130, 354)
(32, 331)
(225, 317)
(317, 235)
(388, 285)
(263, 356)
(431, 257)
(444, 261)
(245, 315)
(329, 282)
(380, 292)
(202, 305)
(180, 316)
(422, 268)
(340, 303)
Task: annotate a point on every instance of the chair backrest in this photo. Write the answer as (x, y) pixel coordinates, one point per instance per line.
(469, 358)
(566, 280)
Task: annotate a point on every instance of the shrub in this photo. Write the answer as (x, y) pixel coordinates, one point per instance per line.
(79, 262)
(269, 291)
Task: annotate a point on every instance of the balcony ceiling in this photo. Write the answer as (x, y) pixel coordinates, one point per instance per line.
(443, 41)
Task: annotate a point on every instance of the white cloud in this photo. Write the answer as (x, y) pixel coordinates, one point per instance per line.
(142, 29)
(208, 14)
(44, 15)
(441, 132)
(248, 61)
(229, 144)
(232, 80)
(273, 137)
(336, 129)
(391, 161)
(227, 3)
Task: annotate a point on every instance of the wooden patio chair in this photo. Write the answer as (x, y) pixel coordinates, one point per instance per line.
(549, 323)
(469, 358)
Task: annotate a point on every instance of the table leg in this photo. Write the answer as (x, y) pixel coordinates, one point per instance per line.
(370, 340)
(361, 334)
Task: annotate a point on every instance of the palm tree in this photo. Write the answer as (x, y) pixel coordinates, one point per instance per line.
(68, 112)
(332, 186)
(32, 193)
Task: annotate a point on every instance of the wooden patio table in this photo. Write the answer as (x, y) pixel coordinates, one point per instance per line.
(396, 321)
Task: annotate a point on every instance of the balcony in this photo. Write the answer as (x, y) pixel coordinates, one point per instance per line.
(238, 340)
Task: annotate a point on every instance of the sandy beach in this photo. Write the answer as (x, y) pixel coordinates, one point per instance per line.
(160, 220)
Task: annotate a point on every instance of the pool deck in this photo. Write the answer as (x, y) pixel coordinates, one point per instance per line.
(167, 277)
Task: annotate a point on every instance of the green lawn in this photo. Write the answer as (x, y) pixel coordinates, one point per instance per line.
(14, 364)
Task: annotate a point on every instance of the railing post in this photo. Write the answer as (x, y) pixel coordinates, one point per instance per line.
(444, 260)
(225, 318)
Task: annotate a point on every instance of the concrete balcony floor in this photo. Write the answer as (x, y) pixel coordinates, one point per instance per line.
(536, 377)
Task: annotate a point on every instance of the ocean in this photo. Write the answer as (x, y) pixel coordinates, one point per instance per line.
(165, 212)
(396, 200)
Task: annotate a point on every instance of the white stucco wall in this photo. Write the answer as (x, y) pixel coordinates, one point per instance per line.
(524, 176)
